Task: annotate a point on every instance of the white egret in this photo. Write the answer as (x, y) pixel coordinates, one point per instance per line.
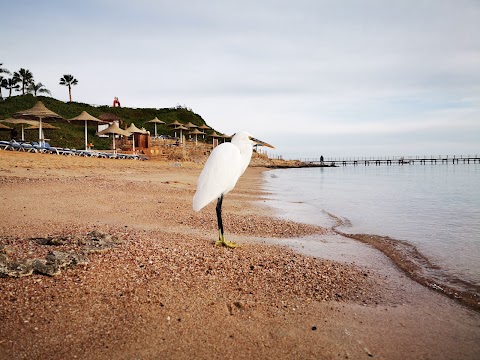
(223, 168)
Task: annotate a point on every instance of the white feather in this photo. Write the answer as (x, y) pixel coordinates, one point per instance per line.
(226, 164)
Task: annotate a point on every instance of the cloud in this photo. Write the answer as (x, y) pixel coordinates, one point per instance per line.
(309, 68)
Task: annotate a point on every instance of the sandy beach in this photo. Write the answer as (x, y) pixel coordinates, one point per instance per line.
(107, 260)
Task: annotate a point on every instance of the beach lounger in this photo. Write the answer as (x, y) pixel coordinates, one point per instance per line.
(84, 153)
(4, 145)
(105, 155)
(18, 146)
(27, 147)
(13, 146)
(46, 148)
(67, 152)
(95, 154)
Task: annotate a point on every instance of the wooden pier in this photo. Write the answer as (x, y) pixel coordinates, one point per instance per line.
(395, 160)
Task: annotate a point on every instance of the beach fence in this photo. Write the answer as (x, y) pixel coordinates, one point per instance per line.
(394, 160)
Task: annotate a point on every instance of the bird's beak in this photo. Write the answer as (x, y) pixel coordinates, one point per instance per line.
(261, 143)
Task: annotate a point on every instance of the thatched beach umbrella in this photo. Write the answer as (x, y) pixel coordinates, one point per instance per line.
(190, 126)
(5, 127)
(204, 127)
(181, 128)
(175, 124)
(45, 126)
(214, 136)
(38, 112)
(22, 122)
(85, 116)
(113, 129)
(225, 137)
(132, 129)
(156, 121)
(196, 132)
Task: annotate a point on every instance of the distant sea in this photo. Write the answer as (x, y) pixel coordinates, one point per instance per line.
(434, 207)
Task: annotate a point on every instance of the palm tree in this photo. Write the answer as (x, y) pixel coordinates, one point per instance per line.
(25, 77)
(68, 80)
(2, 79)
(10, 84)
(3, 70)
(3, 83)
(40, 88)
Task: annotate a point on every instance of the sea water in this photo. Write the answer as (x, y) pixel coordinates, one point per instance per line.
(434, 207)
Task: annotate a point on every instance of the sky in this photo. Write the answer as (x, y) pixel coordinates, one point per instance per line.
(313, 77)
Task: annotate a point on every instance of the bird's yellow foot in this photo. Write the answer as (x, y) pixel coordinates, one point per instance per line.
(222, 242)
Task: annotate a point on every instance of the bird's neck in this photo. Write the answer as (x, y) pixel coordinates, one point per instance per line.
(246, 153)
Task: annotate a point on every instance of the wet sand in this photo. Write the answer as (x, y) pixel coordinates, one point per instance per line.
(164, 291)
(417, 266)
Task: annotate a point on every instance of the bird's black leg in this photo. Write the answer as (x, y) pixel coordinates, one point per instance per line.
(221, 238)
(219, 215)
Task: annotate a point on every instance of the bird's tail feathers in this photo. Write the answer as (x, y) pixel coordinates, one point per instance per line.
(198, 204)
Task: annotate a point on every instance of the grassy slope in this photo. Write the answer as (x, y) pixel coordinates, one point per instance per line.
(73, 134)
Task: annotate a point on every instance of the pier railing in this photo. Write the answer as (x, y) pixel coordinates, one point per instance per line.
(394, 160)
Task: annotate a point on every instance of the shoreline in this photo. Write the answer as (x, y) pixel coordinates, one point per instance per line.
(153, 294)
(417, 266)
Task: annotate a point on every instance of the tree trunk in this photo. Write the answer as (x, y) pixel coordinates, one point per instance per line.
(70, 92)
